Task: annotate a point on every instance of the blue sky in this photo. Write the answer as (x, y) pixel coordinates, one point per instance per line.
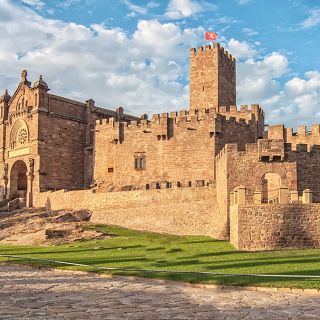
(135, 53)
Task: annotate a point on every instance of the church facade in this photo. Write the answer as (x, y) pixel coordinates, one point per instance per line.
(46, 140)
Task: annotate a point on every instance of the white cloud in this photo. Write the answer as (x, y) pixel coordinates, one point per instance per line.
(313, 20)
(240, 49)
(141, 71)
(152, 5)
(145, 71)
(135, 8)
(131, 14)
(249, 32)
(294, 103)
(179, 9)
(37, 4)
(139, 10)
(257, 78)
(244, 2)
(68, 3)
(299, 101)
(297, 86)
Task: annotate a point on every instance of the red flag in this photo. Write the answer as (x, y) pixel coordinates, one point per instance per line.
(211, 35)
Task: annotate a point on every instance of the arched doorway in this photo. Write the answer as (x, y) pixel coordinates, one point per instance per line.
(18, 180)
(270, 185)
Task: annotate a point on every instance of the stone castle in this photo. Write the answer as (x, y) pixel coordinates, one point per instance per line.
(212, 169)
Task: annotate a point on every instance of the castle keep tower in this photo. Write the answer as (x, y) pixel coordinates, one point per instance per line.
(212, 78)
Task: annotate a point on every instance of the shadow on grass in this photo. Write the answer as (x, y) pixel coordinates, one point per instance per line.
(72, 250)
(174, 250)
(192, 277)
(226, 280)
(155, 249)
(204, 241)
(177, 263)
(111, 260)
(252, 263)
(271, 255)
(213, 254)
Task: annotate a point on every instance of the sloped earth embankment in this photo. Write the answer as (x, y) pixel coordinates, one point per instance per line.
(45, 227)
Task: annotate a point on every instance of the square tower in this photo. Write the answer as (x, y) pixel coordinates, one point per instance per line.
(212, 78)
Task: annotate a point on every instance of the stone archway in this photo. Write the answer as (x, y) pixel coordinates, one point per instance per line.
(18, 180)
(270, 185)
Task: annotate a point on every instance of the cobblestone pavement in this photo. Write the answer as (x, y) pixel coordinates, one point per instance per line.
(30, 293)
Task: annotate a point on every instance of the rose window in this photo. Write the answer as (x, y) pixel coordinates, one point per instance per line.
(22, 136)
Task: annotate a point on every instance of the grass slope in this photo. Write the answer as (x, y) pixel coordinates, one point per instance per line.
(135, 249)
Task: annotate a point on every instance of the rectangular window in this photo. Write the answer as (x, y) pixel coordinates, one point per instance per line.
(265, 158)
(140, 162)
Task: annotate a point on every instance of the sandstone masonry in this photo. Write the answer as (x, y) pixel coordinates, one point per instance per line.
(212, 169)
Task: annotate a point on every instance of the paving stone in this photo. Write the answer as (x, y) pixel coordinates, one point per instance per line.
(30, 293)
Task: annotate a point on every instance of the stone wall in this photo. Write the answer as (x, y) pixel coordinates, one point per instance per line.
(308, 169)
(222, 186)
(246, 112)
(249, 166)
(180, 211)
(65, 135)
(268, 227)
(177, 148)
(61, 149)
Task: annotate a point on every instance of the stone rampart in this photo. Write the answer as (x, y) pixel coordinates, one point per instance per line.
(174, 146)
(269, 227)
(183, 211)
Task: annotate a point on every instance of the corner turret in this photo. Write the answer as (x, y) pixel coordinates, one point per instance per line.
(5, 97)
(40, 83)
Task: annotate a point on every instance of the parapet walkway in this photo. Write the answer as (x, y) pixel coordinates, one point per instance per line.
(31, 293)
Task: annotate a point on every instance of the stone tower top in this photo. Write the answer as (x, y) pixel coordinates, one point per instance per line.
(212, 77)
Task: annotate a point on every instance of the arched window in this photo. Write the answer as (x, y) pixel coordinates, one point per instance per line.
(270, 185)
(19, 135)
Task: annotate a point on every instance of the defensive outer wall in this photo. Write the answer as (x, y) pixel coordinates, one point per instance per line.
(234, 207)
(180, 211)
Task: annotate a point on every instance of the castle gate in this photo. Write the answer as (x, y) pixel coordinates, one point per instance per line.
(18, 180)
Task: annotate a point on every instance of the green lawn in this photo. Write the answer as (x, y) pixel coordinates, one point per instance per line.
(134, 249)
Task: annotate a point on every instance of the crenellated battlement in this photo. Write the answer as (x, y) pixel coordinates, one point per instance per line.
(209, 48)
(268, 150)
(166, 124)
(301, 131)
(244, 108)
(301, 136)
(244, 112)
